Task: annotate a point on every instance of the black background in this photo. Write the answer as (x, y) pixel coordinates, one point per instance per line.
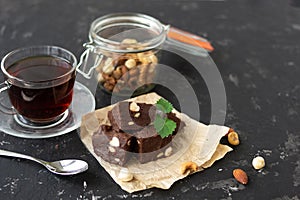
(257, 53)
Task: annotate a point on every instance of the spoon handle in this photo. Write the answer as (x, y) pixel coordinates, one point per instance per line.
(18, 155)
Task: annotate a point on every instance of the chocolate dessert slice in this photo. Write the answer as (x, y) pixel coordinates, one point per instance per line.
(132, 131)
(113, 146)
(131, 116)
(150, 144)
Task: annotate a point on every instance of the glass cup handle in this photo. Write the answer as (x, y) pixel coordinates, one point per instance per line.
(7, 110)
(187, 42)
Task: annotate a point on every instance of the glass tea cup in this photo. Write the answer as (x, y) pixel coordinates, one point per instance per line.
(39, 82)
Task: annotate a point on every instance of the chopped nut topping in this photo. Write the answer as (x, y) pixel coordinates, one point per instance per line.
(134, 107)
(114, 142)
(168, 151)
(130, 123)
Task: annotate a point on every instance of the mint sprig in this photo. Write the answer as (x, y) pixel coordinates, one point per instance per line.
(164, 106)
(164, 126)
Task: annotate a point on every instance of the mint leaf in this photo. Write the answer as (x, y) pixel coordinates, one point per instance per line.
(164, 105)
(164, 126)
(168, 128)
(159, 123)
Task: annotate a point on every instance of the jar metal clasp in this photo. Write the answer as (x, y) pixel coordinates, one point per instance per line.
(84, 67)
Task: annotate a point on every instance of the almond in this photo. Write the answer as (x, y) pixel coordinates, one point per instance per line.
(241, 176)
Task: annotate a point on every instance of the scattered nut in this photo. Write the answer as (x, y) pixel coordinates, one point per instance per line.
(159, 155)
(233, 138)
(168, 151)
(114, 142)
(129, 41)
(188, 167)
(117, 159)
(111, 149)
(241, 176)
(108, 86)
(258, 162)
(136, 115)
(140, 67)
(100, 77)
(108, 69)
(130, 123)
(130, 63)
(124, 175)
(153, 58)
(117, 73)
(134, 107)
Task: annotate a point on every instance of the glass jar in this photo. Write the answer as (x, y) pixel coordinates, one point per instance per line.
(124, 50)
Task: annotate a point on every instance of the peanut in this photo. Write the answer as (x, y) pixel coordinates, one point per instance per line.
(233, 138)
(188, 167)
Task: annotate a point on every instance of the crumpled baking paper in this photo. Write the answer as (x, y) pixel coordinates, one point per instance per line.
(195, 142)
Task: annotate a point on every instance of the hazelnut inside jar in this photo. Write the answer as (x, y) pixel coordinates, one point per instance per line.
(132, 71)
(124, 49)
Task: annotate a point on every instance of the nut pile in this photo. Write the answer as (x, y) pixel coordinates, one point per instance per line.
(127, 71)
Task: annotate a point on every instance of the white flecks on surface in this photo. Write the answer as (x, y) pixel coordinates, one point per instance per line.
(189, 6)
(184, 189)
(292, 145)
(283, 155)
(285, 197)
(291, 148)
(12, 184)
(234, 79)
(4, 142)
(254, 103)
(241, 163)
(84, 185)
(290, 63)
(296, 175)
(274, 119)
(296, 26)
(59, 193)
(122, 196)
(292, 111)
(13, 35)
(227, 185)
(2, 30)
(27, 35)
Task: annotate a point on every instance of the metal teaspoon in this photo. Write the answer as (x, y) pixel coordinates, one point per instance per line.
(61, 167)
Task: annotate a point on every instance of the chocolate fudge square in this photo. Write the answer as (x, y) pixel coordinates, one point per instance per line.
(113, 146)
(150, 144)
(124, 117)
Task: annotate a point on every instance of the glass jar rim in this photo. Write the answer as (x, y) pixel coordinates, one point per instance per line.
(106, 21)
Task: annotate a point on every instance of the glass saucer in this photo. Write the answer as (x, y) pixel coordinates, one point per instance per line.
(83, 103)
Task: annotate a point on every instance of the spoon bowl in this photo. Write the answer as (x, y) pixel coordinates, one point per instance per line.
(61, 167)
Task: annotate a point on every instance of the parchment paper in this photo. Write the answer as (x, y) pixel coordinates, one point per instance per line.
(195, 142)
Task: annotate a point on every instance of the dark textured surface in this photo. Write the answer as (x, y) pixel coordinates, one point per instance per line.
(257, 53)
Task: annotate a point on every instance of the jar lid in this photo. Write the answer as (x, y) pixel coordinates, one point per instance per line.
(111, 31)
